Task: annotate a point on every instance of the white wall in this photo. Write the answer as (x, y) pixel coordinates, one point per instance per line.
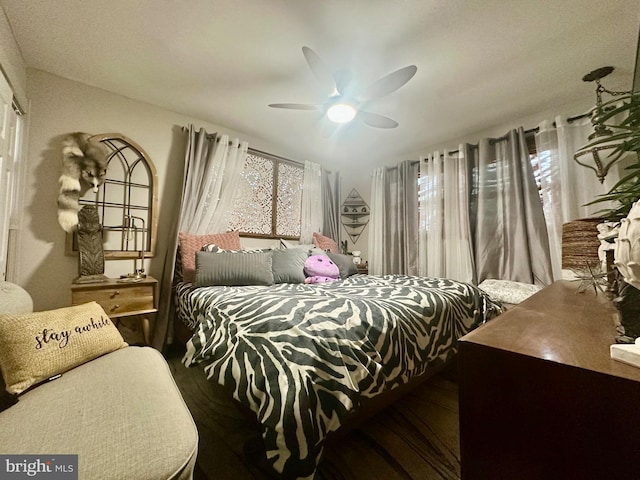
(58, 107)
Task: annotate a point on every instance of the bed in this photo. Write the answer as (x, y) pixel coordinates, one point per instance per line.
(305, 358)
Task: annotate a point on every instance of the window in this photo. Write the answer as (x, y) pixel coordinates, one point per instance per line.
(12, 174)
(539, 162)
(268, 202)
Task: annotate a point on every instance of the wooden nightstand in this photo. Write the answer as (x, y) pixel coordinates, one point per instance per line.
(363, 268)
(121, 299)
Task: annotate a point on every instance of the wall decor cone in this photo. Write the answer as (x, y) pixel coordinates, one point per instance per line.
(354, 213)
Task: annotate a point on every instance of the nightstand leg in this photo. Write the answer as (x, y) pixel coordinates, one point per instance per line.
(128, 329)
(144, 321)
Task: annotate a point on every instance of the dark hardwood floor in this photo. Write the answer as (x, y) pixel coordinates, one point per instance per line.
(416, 438)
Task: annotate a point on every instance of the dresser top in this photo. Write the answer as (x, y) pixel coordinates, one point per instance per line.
(559, 325)
(113, 283)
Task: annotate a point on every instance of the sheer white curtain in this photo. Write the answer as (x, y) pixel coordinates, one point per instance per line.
(566, 186)
(213, 179)
(212, 168)
(445, 245)
(311, 217)
(376, 223)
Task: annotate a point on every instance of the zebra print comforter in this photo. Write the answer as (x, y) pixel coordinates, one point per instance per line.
(303, 356)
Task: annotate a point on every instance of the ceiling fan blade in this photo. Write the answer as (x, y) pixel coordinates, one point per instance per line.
(294, 106)
(319, 68)
(342, 79)
(377, 121)
(390, 83)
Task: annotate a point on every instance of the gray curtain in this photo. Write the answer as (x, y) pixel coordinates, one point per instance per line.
(163, 330)
(400, 219)
(331, 204)
(212, 165)
(511, 241)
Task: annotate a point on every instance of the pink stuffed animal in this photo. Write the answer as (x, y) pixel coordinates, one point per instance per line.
(320, 269)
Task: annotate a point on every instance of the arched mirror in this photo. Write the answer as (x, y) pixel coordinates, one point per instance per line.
(127, 201)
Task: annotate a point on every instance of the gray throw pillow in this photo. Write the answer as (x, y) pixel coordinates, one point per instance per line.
(345, 264)
(231, 269)
(288, 265)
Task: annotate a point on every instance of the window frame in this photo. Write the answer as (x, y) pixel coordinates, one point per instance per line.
(12, 179)
(274, 197)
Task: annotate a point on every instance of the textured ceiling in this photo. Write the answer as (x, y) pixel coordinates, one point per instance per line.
(480, 62)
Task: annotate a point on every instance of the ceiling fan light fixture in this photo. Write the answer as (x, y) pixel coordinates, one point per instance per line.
(341, 112)
(344, 103)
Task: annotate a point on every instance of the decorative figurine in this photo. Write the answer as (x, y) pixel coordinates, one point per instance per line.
(91, 253)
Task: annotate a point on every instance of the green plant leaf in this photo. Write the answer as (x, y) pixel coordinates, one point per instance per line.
(625, 138)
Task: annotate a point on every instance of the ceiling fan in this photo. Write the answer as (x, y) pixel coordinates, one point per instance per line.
(344, 102)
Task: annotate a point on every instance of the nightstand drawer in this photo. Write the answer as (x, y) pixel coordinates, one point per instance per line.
(122, 299)
(118, 300)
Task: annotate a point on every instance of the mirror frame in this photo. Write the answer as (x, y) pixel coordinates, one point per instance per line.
(152, 230)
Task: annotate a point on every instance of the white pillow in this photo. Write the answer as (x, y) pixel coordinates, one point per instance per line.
(310, 248)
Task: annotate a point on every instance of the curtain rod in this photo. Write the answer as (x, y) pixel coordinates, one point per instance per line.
(569, 120)
(284, 159)
(278, 157)
(536, 129)
(216, 137)
(211, 136)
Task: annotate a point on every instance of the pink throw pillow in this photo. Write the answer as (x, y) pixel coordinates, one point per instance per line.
(325, 243)
(191, 243)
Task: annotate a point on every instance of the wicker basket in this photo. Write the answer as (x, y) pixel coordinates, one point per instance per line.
(580, 244)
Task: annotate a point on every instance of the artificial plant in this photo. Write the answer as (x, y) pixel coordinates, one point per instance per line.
(626, 138)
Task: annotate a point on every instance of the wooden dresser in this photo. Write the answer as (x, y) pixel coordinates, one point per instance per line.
(540, 397)
(121, 299)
